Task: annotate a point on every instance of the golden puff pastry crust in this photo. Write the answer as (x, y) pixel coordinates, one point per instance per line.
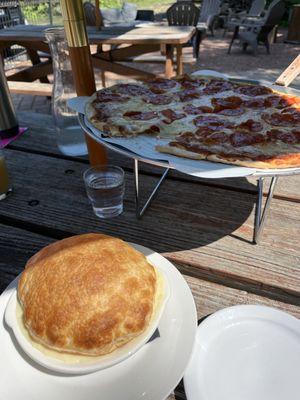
(87, 294)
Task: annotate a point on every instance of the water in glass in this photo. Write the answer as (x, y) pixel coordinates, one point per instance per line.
(105, 189)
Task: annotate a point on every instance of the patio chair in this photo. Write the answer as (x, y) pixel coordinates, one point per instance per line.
(256, 10)
(258, 30)
(90, 14)
(145, 15)
(209, 13)
(185, 13)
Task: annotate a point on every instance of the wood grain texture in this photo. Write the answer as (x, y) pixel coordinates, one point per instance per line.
(36, 88)
(207, 232)
(292, 71)
(17, 245)
(110, 35)
(43, 140)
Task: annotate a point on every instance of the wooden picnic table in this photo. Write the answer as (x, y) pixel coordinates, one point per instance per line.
(202, 226)
(140, 40)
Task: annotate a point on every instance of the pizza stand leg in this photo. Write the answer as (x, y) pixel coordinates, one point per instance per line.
(140, 210)
(287, 76)
(260, 212)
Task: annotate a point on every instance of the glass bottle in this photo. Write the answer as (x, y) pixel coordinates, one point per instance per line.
(70, 137)
(5, 187)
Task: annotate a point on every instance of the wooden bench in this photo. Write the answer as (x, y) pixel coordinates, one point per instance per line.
(33, 88)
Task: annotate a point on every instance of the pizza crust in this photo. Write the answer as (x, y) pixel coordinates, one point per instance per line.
(284, 161)
(102, 126)
(180, 152)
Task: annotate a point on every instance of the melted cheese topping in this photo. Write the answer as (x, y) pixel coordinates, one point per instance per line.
(79, 359)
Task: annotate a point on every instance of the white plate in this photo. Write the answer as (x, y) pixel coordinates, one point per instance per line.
(150, 374)
(89, 364)
(245, 353)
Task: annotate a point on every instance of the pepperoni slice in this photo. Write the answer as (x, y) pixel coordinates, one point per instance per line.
(107, 96)
(291, 110)
(209, 138)
(157, 90)
(204, 131)
(212, 122)
(132, 89)
(188, 95)
(251, 126)
(140, 116)
(232, 111)
(185, 137)
(155, 128)
(292, 137)
(279, 101)
(217, 86)
(161, 84)
(255, 103)
(157, 99)
(239, 139)
(152, 129)
(196, 148)
(101, 115)
(289, 117)
(190, 109)
(229, 102)
(297, 135)
(254, 90)
(190, 83)
(171, 116)
(216, 138)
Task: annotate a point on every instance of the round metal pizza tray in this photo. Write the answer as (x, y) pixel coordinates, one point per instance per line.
(164, 164)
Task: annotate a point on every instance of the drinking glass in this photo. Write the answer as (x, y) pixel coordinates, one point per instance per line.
(105, 189)
(4, 180)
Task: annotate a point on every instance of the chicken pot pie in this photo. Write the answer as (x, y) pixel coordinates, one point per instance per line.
(87, 294)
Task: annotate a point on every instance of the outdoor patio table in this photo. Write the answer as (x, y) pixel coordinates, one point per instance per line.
(141, 40)
(204, 227)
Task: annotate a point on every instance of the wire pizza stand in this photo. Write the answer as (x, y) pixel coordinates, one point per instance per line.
(260, 211)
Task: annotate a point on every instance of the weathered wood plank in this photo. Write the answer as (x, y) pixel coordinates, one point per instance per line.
(18, 245)
(132, 35)
(207, 232)
(211, 297)
(43, 140)
(36, 88)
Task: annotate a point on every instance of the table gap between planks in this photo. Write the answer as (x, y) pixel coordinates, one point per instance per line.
(203, 226)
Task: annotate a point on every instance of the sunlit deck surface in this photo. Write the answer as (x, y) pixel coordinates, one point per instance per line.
(204, 227)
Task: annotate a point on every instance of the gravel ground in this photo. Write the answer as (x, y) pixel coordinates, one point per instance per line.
(213, 55)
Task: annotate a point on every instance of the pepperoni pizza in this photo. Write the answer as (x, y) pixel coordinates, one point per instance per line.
(204, 118)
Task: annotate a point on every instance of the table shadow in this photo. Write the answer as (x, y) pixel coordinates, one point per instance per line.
(203, 216)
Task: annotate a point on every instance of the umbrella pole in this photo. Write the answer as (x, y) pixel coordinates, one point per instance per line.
(98, 14)
(74, 22)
